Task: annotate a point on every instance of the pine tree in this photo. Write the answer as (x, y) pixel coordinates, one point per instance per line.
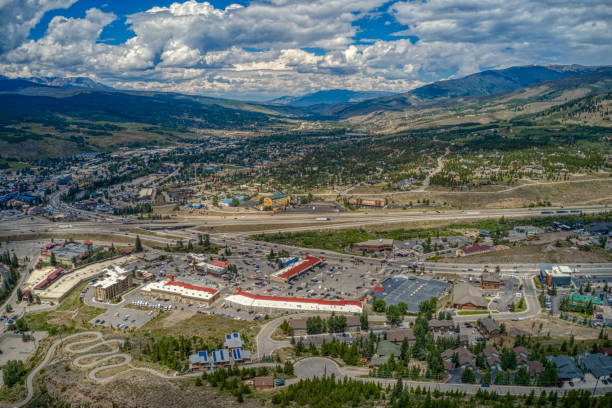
(138, 244)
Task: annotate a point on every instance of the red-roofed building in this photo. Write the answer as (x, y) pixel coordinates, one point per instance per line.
(271, 304)
(220, 264)
(182, 292)
(53, 276)
(294, 270)
(87, 242)
(473, 249)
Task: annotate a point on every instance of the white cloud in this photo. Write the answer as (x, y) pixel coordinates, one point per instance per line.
(18, 17)
(545, 31)
(260, 49)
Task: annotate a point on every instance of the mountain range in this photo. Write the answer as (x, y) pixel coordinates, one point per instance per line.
(329, 97)
(41, 117)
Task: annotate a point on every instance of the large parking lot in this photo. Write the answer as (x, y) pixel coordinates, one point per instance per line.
(507, 294)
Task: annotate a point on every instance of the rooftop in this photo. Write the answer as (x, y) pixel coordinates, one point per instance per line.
(464, 293)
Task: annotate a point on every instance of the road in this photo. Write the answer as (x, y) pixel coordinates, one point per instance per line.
(432, 173)
(321, 366)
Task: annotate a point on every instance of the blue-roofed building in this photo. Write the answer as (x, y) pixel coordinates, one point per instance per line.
(220, 358)
(232, 341)
(597, 364)
(232, 354)
(199, 361)
(566, 368)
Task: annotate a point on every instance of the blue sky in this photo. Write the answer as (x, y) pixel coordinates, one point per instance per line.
(265, 48)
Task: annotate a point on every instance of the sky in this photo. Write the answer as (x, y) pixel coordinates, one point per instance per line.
(261, 49)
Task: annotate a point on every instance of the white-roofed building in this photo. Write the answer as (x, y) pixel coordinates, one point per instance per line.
(182, 292)
(271, 304)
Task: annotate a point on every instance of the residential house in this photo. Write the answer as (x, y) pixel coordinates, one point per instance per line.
(263, 383)
(353, 323)
(299, 326)
(384, 350)
(441, 326)
(597, 364)
(566, 368)
(400, 334)
(488, 327)
(465, 358)
(492, 357)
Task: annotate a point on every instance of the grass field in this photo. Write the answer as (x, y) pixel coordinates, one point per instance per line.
(475, 312)
(70, 316)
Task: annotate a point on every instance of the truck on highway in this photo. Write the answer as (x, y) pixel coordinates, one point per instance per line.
(322, 219)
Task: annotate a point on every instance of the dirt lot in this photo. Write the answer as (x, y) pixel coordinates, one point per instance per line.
(553, 327)
(536, 253)
(190, 323)
(134, 389)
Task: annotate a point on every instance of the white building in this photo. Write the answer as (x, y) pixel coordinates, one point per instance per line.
(272, 304)
(181, 292)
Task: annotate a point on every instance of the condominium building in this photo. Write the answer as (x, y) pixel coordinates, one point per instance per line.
(116, 280)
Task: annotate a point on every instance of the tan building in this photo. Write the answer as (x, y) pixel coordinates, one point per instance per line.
(466, 296)
(277, 201)
(116, 281)
(490, 280)
(367, 202)
(374, 245)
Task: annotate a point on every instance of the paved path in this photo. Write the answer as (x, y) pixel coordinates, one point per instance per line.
(96, 339)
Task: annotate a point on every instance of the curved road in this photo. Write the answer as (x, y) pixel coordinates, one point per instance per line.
(97, 339)
(312, 367)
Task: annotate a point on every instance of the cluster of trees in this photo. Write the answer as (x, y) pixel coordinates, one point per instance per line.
(11, 278)
(231, 379)
(170, 351)
(13, 372)
(202, 246)
(144, 208)
(395, 313)
(333, 324)
(586, 308)
(327, 392)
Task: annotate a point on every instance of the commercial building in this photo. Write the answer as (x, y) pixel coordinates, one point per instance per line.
(374, 245)
(294, 269)
(367, 202)
(576, 299)
(409, 290)
(277, 201)
(115, 281)
(473, 249)
(557, 275)
(52, 277)
(273, 304)
(65, 252)
(466, 296)
(182, 292)
(213, 268)
(490, 280)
